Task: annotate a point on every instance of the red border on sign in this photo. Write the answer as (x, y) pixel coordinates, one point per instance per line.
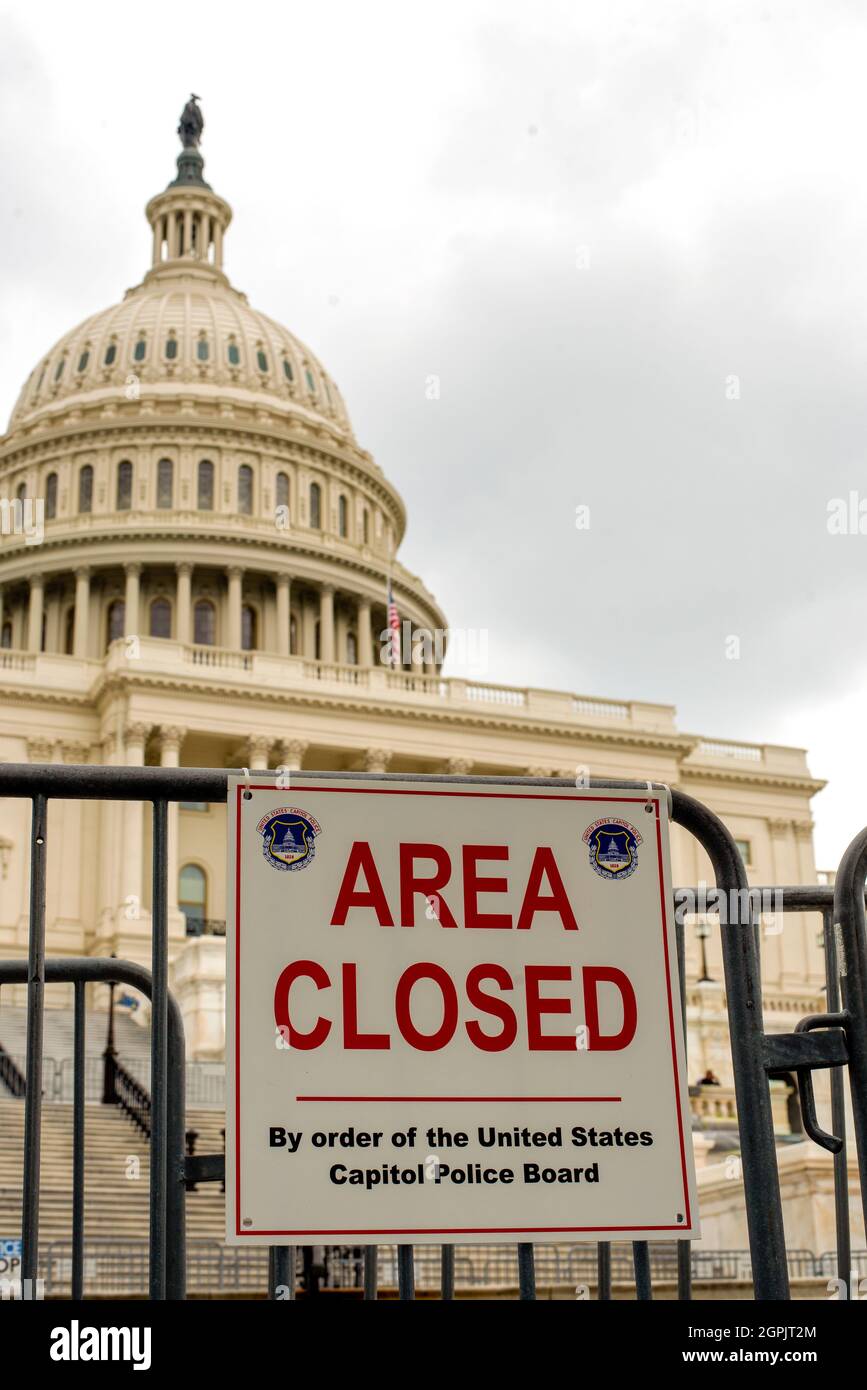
(453, 1230)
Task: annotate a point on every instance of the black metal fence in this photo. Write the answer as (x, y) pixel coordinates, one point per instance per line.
(833, 1039)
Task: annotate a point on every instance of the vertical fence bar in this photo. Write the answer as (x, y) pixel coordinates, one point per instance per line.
(641, 1263)
(35, 1025)
(78, 1145)
(159, 1052)
(684, 1247)
(405, 1273)
(447, 1272)
(603, 1270)
(526, 1272)
(370, 1272)
(849, 920)
(838, 1111)
(281, 1272)
(176, 1194)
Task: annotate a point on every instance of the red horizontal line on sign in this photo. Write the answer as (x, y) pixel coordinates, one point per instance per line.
(614, 1100)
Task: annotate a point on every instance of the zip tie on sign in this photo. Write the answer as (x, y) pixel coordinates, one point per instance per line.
(247, 793)
(667, 789)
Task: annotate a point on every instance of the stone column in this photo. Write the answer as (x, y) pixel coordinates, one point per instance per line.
(171, 739)
(233, 636)
(377, 759)
(82, 613)
(326, 623)
(258, 747)
(283, 583)
(132, 850)
(183, 602)
(290, 753)
(365, 636)
(34, 620)
(131, 600)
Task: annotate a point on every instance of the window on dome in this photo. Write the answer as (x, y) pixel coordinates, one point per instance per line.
(262, 360)
(282, 490)
(351, 649)
(249, 628)
(139, 350)
(51, 497)
(41, 377)
(310, 382)
(202, 350)
(165, 478)
(21, 491)
(205, 486)
(124, 486)
(287, 369)
(365, 522)
(83, 360)
(192, 898)
(293, 636)
(85, 489)
(110, 354)
(234, 354)
(115, 620)
(245, 489)
(204, 623)
(6, 635)
(171, 348)
(315, 506)
(58, 371)
(161, 618)
(69, 632)
(343, 516)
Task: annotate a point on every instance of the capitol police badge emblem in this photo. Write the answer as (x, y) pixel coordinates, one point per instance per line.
(288, 837)
(613, 846)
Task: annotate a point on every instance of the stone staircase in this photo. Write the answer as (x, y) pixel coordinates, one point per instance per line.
(116, 1177)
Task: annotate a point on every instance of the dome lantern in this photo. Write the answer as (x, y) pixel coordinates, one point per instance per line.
(188, 219)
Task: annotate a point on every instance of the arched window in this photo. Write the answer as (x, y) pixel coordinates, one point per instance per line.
(245, 489)
(315, 506)
(233, 353)
(249, 626)
(365, 521)
(287, 369)
(6, 634)
(83, 360)
(161, 618)
(58, 371)
(310, 382)
(205, 486)
(138, 352)
(262, 361)
(115, 621)
(51, 497)
(192, 897)
(293, 636)
(69, 632)
(124, 486)
(171, 347)
(202, 350)
(110, 354)
(204, 623)
(317, 646)
(21, 491)
(44, 631)
(343, 516)
(165, 475)
(85, 489)
(352, 649)
(282, 493)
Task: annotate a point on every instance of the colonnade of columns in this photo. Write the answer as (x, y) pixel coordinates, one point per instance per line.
(356, 611)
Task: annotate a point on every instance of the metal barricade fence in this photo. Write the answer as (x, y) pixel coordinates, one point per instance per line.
(834, 1039)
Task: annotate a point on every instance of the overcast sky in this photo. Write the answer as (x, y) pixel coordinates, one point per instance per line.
(628, 238)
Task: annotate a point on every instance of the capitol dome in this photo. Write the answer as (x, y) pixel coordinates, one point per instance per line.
(195, 476)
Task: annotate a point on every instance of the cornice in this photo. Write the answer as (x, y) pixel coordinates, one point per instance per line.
(753, 777)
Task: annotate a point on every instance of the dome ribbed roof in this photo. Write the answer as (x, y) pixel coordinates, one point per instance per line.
(198, 333)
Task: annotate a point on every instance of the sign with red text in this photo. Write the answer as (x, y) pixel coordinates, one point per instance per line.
(453, 1014)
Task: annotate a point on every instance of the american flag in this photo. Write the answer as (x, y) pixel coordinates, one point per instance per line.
(394, 629)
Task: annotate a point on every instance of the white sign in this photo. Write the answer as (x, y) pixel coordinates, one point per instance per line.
(453, 1014)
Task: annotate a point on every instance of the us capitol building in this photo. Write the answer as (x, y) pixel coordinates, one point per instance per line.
(197, 575)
